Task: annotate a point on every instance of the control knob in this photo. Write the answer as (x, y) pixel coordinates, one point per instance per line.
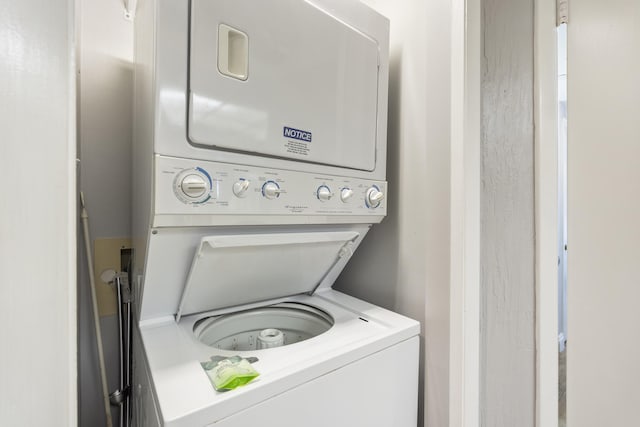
(324, 193)
(193, 186)
(271, 190)
(240, 187)
(373, 197)
(345, 194)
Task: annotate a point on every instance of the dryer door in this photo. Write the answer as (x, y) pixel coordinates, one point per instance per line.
(282, 78)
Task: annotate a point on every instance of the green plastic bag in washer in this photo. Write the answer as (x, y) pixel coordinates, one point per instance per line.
(228, 373)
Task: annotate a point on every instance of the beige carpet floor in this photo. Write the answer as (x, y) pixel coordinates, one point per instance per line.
(562, 389)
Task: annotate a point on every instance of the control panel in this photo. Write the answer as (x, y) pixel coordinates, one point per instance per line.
(185, 186)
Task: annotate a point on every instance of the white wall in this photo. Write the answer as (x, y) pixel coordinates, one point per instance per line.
(38, 215)
(403, 264)
(106, 110)
(105, 94)
(603, 214)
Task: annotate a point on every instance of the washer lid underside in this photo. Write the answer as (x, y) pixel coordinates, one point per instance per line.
(235, 270)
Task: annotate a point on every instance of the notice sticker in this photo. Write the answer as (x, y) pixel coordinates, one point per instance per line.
(301, 135)
(297, 141)
(297, 147)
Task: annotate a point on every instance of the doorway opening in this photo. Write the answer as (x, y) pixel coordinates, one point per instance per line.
(562, 223)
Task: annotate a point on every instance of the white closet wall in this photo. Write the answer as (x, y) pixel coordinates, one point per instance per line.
(37, 214)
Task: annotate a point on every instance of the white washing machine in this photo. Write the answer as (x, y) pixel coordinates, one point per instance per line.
(259, 167)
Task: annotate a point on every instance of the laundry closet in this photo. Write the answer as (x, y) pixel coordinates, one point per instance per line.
(69, 118)
(258, 157)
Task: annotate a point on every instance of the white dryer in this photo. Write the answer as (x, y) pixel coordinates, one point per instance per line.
(259, 167)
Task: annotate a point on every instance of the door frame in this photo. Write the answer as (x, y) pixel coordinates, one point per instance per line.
(466, 48)
(546, 211)
(464, 332)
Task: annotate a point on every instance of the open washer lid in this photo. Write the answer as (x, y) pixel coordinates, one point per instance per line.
(236, 270)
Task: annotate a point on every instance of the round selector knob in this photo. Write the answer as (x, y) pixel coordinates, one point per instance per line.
(271, 190)
(324, 193)
(193, 186)
(373, 197)
(345, 194)
(240, 187)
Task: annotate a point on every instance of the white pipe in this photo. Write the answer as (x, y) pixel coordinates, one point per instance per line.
(96, 317)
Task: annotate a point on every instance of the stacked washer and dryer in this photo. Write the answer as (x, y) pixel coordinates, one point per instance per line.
(259, 167)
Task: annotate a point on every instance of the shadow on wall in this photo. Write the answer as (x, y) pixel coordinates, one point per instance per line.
(372, 273)
(105, 97)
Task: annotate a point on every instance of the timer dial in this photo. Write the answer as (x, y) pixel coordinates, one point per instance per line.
(192, 186)
(373, 197)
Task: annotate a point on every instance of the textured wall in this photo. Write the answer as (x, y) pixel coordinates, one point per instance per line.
(507, 339)
(403, 264)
